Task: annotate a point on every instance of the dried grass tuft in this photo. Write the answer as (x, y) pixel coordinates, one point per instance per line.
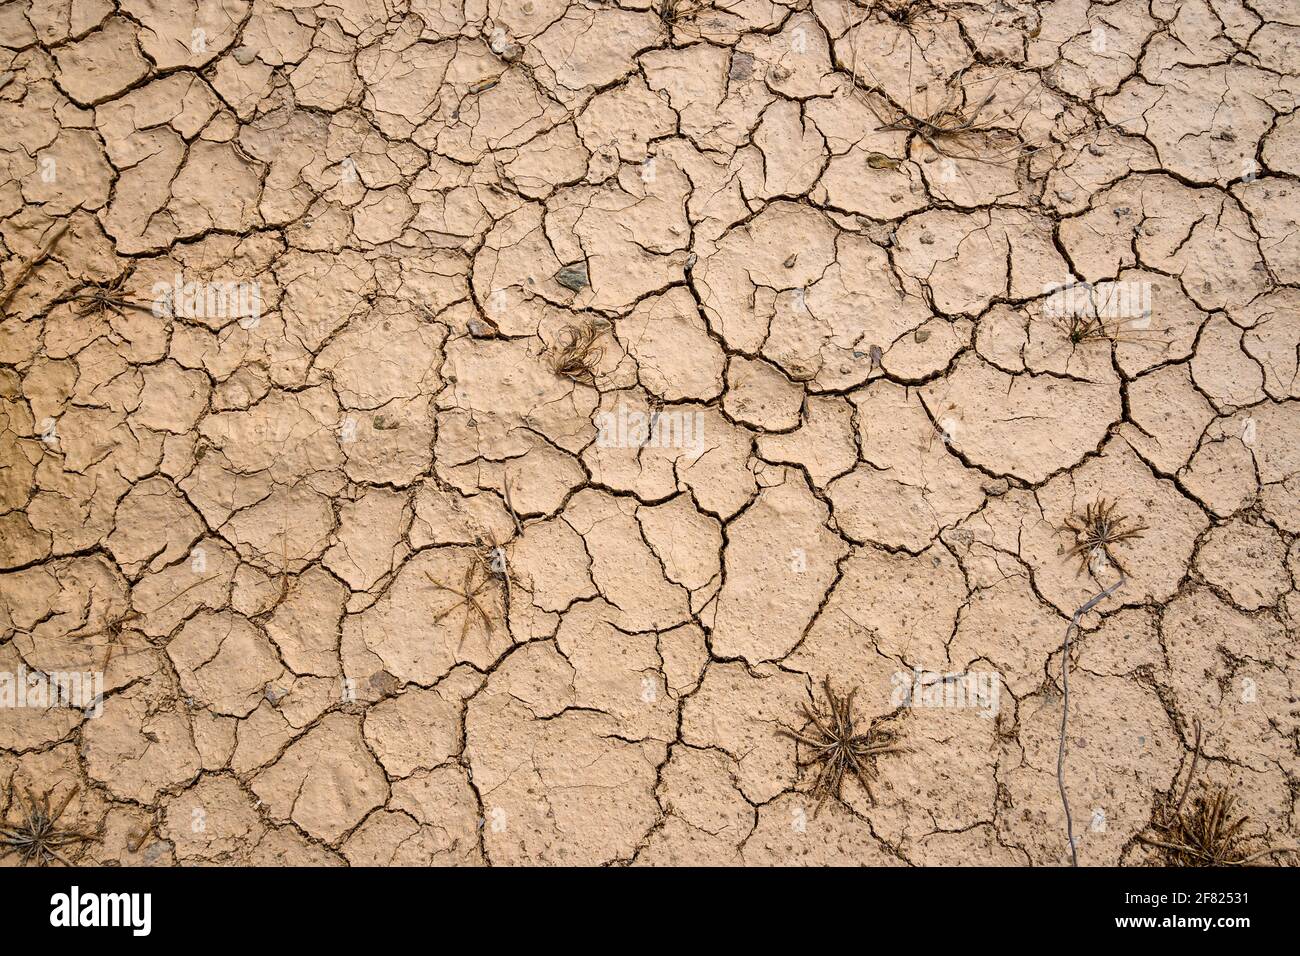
(36, 836)
(835, 744)
(576, 354)
(1099, 528)
(1209, 833)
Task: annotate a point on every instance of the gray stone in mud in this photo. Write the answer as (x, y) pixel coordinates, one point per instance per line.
(574, 277)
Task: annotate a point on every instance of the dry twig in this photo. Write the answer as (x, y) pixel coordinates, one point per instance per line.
(1065, 709)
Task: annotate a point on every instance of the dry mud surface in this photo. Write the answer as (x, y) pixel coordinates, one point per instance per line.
(367, 580)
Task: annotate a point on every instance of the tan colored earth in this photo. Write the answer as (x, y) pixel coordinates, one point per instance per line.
(370, 578)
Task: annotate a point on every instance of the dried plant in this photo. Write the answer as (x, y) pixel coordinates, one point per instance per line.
(101, 297)
(676, 12)
(493, 553)
(673, 12)
(1096, 324)
(114, 628)
(687, 17)
(112, 632)
(479, 578)
(902, 11)
(576, 354)
(955, 130)
(1208, 834)
(835, 744)
(37, 837)
(1098, 529)
(510, 505)
(1079, 327)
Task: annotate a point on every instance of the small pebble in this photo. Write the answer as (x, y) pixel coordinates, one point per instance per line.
(574, 277)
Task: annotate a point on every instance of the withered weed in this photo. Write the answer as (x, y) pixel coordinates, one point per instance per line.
(834, 742)
(36, 835)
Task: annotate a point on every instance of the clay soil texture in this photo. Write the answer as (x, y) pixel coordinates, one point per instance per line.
(472, 432)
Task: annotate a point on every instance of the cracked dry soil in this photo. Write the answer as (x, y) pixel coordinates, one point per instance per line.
(372, 572)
